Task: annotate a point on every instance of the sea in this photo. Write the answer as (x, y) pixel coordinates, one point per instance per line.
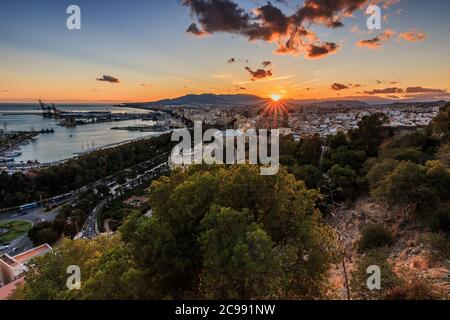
(66, 142)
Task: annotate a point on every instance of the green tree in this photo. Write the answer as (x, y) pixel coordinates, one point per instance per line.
(238, 257)
(173, 250)
(358, 278)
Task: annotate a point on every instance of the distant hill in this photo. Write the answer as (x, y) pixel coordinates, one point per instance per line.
(249, 100)
(205, 99)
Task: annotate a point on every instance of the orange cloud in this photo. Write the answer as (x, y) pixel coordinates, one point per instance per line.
(413, 35)
(377, 42)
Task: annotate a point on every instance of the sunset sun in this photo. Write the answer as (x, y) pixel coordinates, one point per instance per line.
(275, 97)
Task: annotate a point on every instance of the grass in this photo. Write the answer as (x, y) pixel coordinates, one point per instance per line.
(15, 230)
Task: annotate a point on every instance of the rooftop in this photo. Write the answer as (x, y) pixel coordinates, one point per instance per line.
(27, 255)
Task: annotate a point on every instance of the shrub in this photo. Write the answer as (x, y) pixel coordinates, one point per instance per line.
(374, 236)
(414, 287)
(440, 221)
(440, 244)
(359, 276)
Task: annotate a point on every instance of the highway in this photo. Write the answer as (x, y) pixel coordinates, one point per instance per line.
(90, 228)
(34, 216)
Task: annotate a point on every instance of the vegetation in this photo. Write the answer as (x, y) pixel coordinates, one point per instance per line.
(18, 188)
(358, 278)
(226, 232)
(221, 232)
(67, 224)
(13, 230)
(374, 236)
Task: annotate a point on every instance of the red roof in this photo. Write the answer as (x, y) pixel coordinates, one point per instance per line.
(7, 290)
(24, 257)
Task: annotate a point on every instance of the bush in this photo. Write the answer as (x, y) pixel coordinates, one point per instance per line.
(440, 221)
(359, 276)
(414, 287)
(440, 244)
(374, 236)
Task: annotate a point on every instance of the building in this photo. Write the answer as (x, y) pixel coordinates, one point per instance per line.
(13, 268)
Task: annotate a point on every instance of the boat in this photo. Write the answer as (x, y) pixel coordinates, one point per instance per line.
(12, 154)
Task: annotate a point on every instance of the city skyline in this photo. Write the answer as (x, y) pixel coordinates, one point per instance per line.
(152, 50)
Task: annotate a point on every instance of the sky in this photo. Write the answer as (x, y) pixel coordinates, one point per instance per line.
(146, 50)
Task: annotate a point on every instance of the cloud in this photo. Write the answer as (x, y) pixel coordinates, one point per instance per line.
(355, 29)
(377, 42)
(147, 85)
(266, 64)
(268, 23)
(338, 86)
(413, 35)
(266, 80)
(391, 90)
(259, 73)
(194, 30)
(314, 51)
(423, 90)
(222, 76)
(231, 60)
(109, 79)
(409, 91)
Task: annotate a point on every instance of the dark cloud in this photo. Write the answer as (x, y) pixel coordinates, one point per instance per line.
(314, 51)
(423, 90)
(266, 64)
(327, 12)
(338, 86)
(259, 73)
(385, 91)
(231, 60)
(193, 29)
(376, 42)
(269, 23)
(109, 79)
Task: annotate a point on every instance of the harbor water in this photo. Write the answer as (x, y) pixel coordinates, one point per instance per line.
(65, 142)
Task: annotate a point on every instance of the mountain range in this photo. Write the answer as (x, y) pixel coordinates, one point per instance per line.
(248, 99)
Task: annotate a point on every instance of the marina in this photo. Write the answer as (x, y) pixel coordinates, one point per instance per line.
(40, 141)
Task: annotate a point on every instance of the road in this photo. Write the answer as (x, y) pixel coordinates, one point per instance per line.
(90, 228)
(23, 243)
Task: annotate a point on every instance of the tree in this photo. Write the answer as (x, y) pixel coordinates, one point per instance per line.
(238, 259)
(358, 278)
(404, 188)
(47, 277)
(379, 171)
(369, 134)
(177, 246)
(374, 236)
(345, 180)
